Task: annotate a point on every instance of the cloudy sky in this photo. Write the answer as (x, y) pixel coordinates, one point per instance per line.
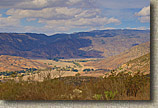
(68, 16)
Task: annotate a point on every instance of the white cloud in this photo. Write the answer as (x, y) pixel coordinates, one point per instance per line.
(9, 24)
(72, 2)
(63, 18)
(68, 11)
(144, 14)
(68, 15)
(46, 13)
(80, 23)
(8, 21)
(103, 28)
(28, 4)
(108, 28)
(97, 21)
(40, 4)
(33, 4)
(88, 13)
(57, 13)
(113, 20)
(138, 28)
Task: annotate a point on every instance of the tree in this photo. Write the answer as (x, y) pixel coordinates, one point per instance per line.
(60, 73)
(77, 75)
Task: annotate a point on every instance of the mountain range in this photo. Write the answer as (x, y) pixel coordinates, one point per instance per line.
(93, 44)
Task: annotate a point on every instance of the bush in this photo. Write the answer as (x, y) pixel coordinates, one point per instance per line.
(87, 70)
(113, 87)
(74, 70)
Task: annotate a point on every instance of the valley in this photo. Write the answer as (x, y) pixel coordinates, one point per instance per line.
(94, 67)
(94, 64)
(68, 67)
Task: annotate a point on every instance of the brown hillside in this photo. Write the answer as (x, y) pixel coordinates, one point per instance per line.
(141, 64)
(14, 63)
(115, 61)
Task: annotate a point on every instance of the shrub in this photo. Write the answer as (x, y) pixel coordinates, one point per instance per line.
(120, 86)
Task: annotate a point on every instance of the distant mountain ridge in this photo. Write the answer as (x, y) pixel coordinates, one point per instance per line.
(93, 44)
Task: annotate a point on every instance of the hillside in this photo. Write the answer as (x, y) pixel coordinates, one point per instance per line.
(141, 64)
(115, 61)
(14, 63)
(93, 44)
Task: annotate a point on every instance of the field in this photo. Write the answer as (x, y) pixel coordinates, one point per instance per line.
(63, 67)
(66, 67)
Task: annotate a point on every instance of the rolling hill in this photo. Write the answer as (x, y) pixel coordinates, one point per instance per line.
(93, 44)
(117, 60)
(14, 63)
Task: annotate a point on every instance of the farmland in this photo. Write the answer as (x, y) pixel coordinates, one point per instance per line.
(63, 67)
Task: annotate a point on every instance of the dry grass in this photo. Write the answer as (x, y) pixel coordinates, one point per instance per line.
(114, 87)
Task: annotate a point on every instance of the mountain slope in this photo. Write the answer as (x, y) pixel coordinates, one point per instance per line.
(14, 63)
(94, 44)
(115, 61)
(140, 64)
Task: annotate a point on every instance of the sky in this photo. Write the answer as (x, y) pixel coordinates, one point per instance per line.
(68, 16)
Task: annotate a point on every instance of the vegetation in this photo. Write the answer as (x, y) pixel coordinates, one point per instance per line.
(16, 73)
(74, 70)
(57, 58)
(113, 87)
(77, 64)
(88, 69)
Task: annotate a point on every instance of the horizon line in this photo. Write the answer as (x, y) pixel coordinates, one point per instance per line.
(78, 31)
